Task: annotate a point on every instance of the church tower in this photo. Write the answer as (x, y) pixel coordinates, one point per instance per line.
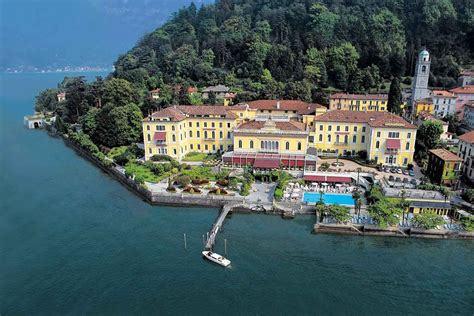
(422, 75)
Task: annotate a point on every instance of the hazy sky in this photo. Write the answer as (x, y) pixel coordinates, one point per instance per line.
(76, 32)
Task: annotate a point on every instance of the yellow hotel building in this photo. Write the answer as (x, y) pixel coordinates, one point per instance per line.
(358, 102)
(280, 130)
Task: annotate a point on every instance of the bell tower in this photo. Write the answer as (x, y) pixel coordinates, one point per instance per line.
(422, 75)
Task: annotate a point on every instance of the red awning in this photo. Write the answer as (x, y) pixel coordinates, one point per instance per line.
(159, 136)
(266, 163)
(393, 143)
(338, 179)
(315, 178)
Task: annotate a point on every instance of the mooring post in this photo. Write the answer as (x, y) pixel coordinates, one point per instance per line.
(185, 246)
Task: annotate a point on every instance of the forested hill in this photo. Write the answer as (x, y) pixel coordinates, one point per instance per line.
(294, 48)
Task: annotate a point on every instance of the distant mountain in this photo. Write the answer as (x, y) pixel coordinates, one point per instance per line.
(57, 33)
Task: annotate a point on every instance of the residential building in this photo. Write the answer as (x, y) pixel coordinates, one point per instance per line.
(421, 77)
(423, 105)
(466, 152)
(466, 78)
(219, 91)
(155, 94)
(443, 167)
(469, 114)
(444, 103)
(229, 98)
(61, 96)
(464, 95)
(283, 109)
(386, 138)
(358, 102)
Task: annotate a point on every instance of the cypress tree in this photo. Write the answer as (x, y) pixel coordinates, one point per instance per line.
(395, 97)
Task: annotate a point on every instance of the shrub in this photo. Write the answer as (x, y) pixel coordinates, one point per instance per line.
(407, 80)
(468, 223)
(223, 183)
(468, 195)
(245, 189)
(183, 180)
(122, 159)
(200, 181)
(139, 180)
(427, 220)
(278, 194)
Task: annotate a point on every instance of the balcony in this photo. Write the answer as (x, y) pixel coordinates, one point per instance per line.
(391, 151)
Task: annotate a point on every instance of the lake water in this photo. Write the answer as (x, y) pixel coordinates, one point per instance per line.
(74, 241)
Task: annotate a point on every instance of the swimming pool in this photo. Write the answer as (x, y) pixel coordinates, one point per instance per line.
(313, 197)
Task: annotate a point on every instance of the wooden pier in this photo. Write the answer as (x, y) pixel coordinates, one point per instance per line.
(211, 239)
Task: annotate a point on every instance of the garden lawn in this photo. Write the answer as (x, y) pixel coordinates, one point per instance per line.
(144, 172)
(194, 156)
(200, 173)
(116, 151)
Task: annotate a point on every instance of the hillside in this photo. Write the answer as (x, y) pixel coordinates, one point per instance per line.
(292, 49)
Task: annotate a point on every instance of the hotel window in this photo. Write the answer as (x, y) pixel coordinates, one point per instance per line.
(213, 135)
(221, 135)
(251, 144)
(228, 125)
(174, 138)
(355, 128)
(409, 135)
(191, 146)
(405, 161)
(214, 147)
(320, 127)
(206, 147)
(190, 133)
(347, 128)
(220, 124)
(329, 127)
(172, 128)
(363, 129)
(160, 128)
(320, 137)
(149, 150)
(287, 146)
(378, 135)
(198, 134)
(212, 124)
(148, 127)
(362, 139)
(337, 138)
(205, 134)
(205, 124)
(407, 146)
(393, 135)
(174, 151)
(299, 145)
(221, 147)
(197, 124)
(240, 143)
(199, 146)
(354, 139)
(148, 137)
(228, 135)
(346, 139)
(377, 144)
(338, 128)
(190, 124)
(329, 138)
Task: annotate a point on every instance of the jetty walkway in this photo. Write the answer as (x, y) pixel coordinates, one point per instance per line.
(211, 239)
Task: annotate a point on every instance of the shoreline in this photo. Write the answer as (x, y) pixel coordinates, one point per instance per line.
(183, 199)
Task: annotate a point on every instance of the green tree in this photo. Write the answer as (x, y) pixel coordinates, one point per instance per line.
(395, 97)
(385, 212)
(340, 213)
(427, 220)
(119, 92)
(46, 100)
(427, 137)
(468, 223)
(118, 125)
(89, 121)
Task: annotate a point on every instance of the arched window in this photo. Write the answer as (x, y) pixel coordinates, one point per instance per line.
(148, 136)
(320, 137)
(345, 139)
(276, 145)
(337, 138)
(240, 143)
(377, 144)
(423, 68)
(262, 145)
(299, 146)
(251, 144)
(407, 146)
(329, 138)
(287, 146)
(148, 127)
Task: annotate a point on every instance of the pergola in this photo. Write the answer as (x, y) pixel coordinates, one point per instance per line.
(269, 160)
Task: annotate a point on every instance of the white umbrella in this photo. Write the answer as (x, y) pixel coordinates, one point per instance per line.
(314, 183)
(338, 185)
(324, 183)
(290, 184)
(296, 190)
(295, 195)
(286, 195)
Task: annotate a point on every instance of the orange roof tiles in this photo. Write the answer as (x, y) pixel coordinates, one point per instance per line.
(285, 105)
(374, 119)
(468, 137)
(445, 155)
(463, 90)
(444, 93)
(180, 112)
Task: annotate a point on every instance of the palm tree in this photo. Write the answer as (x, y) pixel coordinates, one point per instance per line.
(357, 200)
(404, 204)
(447, 194)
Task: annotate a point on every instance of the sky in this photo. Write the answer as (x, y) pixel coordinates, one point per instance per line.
(56, 33)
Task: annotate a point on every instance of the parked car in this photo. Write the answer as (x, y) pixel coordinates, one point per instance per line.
(398, 179)
(413, 181)
(386, 169)
(391, 178)
(411, 173)
(393, 170)
(405, 180)
(399, 170)
(405, 172)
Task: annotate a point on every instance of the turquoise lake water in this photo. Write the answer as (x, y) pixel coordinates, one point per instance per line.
(313, 197)
(74, 241)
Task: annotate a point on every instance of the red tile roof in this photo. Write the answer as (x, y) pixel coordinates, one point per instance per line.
(463, 90)
(301, 107)
(284, 126)
(180, 112)
(445, 155)
(468, 137)
(157, 90)
(444, 93)
(383, 97)
(374, 119)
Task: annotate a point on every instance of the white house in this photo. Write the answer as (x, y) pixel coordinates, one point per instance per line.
(444, 103)
(466, 152)
(469, 114)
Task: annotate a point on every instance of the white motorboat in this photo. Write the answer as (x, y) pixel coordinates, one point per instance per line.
(214, 257)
